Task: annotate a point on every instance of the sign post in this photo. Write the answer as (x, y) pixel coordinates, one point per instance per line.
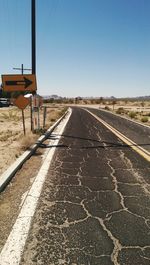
(44, 117)
(24, 128)
(36, 103)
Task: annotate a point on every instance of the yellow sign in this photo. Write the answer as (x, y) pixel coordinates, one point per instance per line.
(13, 83)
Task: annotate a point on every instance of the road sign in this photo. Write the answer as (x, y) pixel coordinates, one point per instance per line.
(13, 83)
(21, 102)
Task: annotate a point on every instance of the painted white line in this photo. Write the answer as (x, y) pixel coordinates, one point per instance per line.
(13, 248)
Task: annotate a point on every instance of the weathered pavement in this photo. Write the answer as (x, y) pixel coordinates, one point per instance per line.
(95, 204)
(136, 132)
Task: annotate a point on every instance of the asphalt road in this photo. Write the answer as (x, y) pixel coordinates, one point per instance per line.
(95, 204)
(136, 132)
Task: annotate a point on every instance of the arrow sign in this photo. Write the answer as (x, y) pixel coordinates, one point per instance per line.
(19, 83)
(26, 82)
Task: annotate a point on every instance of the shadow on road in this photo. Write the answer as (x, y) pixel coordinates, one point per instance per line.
(100, 144)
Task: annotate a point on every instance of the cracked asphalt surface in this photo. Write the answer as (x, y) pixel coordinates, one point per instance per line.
(136, 132)
(95, 204)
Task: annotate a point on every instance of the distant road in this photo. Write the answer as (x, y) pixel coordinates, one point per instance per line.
(137, 133)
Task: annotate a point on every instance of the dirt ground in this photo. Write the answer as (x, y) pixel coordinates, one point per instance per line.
(12, 140)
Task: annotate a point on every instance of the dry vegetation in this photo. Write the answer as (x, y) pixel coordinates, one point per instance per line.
(139, 111)
(12, 140)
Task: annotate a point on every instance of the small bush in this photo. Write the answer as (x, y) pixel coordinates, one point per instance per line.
(120, 111)
(27, 141)
(11, 115)
(7, 135)
(144, 119)
(107, 108)
(53, 119)
(132, 114)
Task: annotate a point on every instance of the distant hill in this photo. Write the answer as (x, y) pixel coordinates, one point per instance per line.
(140, 98)
(52, 96)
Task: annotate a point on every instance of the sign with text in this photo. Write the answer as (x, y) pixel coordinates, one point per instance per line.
(11, 83)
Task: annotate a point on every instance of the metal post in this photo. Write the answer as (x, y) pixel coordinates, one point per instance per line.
(23, 120)
(44, 117)
(33, 19)
(33, 39)
(22, 69)
(31, 114)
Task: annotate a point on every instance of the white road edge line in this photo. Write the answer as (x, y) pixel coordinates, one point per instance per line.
(125, 139)
(14, 246)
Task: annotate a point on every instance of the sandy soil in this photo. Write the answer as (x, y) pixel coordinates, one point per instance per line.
(12, 140)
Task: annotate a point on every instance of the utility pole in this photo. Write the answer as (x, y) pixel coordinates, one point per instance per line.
(33, 38)
(22, 69)
(33, 33)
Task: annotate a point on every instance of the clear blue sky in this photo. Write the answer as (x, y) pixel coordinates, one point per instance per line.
(84, 47)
